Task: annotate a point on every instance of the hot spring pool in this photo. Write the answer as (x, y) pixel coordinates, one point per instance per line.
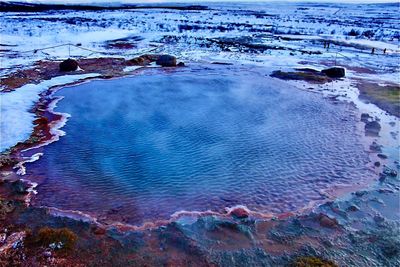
(141, 148)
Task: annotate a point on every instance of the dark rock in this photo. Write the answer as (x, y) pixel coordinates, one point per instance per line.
(365, 117)
(69, 65)
(361, 193)
(353, 208)
(99, 230)
(166, 61)
(19, 187)
(328, 222)
(391, 249)
(385, 191)
(137, 61)
(239, 213)
(221, 63)
(382, 177)
(377, 164)
(372, 128)
(382, 156)
(379, 219)
(390, 172)
(181, 64)
(335, 72)
(374, 147)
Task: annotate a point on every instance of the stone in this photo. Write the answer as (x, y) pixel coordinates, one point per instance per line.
(361, 193)
(335, 72)
(382, 156)
(239, 213)
(382, 177)
(166, 61)
(372, 128)
(328, 222)
(353, 208)
(181, 64)
(365, 117)
(99, 231)
(374, 147)
(137, 61)
(69, 65)
(390, 172)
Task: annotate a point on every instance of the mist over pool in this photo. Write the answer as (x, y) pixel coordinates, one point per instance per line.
(142, 148)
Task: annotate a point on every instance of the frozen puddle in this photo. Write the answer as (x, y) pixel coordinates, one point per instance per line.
(142, 148)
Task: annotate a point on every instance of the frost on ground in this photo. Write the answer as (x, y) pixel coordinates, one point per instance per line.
(221, 32)
(16, 119)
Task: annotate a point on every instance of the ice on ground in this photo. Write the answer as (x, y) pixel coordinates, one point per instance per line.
(131, 68)
(16, 120)
(284, 29)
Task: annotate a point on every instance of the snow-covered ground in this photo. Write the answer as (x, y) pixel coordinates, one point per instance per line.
(16, 120)
(281, 29)
(274, 35)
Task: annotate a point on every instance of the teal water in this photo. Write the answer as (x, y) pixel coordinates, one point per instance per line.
(141, 148)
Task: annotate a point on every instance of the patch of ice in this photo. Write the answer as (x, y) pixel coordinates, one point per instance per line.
(132, 68)
(16, 121)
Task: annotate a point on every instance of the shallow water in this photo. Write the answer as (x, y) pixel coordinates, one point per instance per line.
(141, 148)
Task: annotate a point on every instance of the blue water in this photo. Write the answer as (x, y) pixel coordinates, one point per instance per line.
(141, 148)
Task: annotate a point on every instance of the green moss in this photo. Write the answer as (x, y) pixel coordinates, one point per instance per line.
(312, 262)
(47, 236)
(386, 97)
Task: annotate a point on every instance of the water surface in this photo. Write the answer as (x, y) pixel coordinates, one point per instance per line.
(141, 148)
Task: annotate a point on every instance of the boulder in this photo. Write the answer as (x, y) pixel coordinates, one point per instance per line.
(372, 128)
(137, 61)
(166, 61)
(328, 222)
(335, 72)
(69, 65)
(382, 156)
(239, 213)
(365, 117)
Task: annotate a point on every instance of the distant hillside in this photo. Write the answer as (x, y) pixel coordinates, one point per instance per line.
(29, 7)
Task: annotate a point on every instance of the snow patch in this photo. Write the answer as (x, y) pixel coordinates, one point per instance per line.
(16, 122)
(132, 68)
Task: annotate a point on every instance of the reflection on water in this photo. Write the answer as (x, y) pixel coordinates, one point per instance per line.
(142, 148)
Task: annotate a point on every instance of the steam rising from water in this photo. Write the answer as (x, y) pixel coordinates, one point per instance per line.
(143, 148)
